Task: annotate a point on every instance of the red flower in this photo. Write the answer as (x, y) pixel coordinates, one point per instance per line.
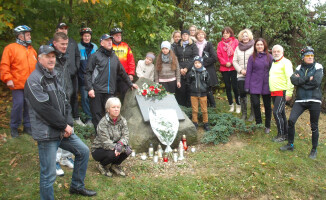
(151, 88)
(144, 92)
(156, 91)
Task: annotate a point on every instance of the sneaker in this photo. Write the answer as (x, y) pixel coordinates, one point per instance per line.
(79, 122)
(313, 154)
(267, 130)
(206, 127)
(28, 130)
(102, 170)
(117, 169)
(196, 125)
(69, 162)
(237, 108)
(14, 132)
(89, 123)
(279, 139)
(287, 147)
(231, 108)
(59, 171)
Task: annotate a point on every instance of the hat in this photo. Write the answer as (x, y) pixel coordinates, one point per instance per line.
(307, 51)
(185, 31)
(166, 44)
(198, 58)
(150, 55)
(45, 49)
(60, 25)
(106, 36)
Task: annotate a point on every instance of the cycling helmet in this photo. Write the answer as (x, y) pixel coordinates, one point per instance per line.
(85, 30)
(21, 29)
(307, 51)
(115, 30)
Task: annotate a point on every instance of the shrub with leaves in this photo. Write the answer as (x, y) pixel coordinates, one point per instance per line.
(84, 132)
(223, 125)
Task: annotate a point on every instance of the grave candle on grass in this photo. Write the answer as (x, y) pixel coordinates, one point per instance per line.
(184, 142)
(133, 153)
(165, 157)
(151, 151)
(155, 159)
(143, 156)
(181, 151)
(159, 151)
(175, 155)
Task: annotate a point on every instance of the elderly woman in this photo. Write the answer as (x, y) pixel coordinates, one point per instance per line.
(256, 82)
(225, 52)
(110, 147)
(186, 50)
(240, 59)
(207, 52)
(175, 38)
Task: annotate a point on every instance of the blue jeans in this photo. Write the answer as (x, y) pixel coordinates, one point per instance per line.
(19, 110)
(47, 154)
(85, 102)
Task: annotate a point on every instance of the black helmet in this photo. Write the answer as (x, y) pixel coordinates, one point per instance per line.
(115, 30)
(21, 29)
(85, 30)
(307, 51)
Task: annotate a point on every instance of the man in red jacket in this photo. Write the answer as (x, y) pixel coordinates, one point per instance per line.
(17, 63)
(124, 53)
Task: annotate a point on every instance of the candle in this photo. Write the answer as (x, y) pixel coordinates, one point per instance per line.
(181, 151)
(193, 149)
(151, 151)
(184, 142)
(175, 155)
(165, 158)
(155, 158)
(143, 156)
(159, 151)
(133, 153)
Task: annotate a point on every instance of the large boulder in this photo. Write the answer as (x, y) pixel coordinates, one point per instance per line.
(141, 134)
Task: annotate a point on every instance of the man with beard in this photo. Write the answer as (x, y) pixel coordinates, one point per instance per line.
(52, 125)
(307, 77)
(281, 90)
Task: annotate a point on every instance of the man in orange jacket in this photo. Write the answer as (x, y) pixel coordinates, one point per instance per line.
(17, 63)
(124, 53)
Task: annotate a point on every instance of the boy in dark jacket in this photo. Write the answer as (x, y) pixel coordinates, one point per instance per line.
(198, 79)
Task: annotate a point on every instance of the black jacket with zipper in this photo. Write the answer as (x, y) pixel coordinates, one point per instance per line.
(49, 109)
(198, 82)
(103, 68)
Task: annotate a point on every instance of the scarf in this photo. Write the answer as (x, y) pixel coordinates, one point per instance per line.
(88, 47)
(105, 51)
(165, 58)
(307, 66)
(227, 46)
(199, 69)
(201, 46)
(184, 43)
(245, 47)
(21, 42)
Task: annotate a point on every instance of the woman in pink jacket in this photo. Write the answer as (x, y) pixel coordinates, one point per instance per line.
(225, 52)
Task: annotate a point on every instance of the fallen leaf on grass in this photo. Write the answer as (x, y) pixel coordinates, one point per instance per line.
(18, 179)
(14, 165)
(12, 161)
(59, 185)
(66, 185)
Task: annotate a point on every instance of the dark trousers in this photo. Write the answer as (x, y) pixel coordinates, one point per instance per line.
(279, 114)
(170, 86)
(230, 80)
(255, 98)
(182, 94)
(97, 106)
(314, 110)
(241, 85)
(19, 110)
(122, 88)
(74, 97)
(106, 157)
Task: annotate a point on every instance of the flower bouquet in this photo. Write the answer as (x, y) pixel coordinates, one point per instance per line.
(155, 91)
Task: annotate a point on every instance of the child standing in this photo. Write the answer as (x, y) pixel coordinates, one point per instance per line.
(167, 71)
(145, 68)
(198, 80)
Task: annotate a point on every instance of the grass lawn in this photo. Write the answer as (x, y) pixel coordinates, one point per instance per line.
(249, 166)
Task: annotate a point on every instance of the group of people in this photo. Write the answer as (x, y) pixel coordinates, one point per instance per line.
(45, 91)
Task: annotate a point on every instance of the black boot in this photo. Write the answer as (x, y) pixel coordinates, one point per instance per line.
(211, 99)
(243, 102)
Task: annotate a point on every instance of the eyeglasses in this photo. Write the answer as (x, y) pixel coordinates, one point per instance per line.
(307, 56)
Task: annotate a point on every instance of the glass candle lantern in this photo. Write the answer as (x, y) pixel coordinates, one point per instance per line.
(151, 151)
(165, 158)
(155, 158)
(184, 142)
(133, 153)
(175, 155)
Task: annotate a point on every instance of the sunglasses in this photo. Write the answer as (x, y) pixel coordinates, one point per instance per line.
(307, 56)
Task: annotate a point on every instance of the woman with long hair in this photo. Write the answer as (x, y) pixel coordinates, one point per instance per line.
(257, 81)
(225, 53)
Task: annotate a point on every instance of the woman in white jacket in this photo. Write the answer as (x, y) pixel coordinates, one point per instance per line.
(240, 59)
